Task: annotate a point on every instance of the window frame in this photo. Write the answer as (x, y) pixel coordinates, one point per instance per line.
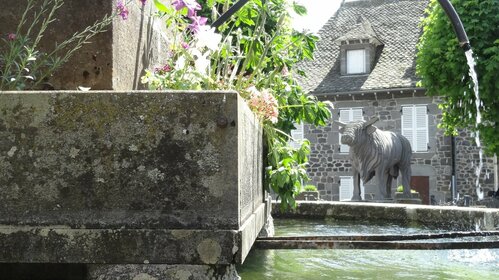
(415, 126)
(369, 53)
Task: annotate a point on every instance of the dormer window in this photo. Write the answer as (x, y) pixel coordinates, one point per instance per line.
(358, 49)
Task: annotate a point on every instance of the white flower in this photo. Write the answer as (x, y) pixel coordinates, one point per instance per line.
(206, 37)
(202, 63)
(253, 91)
(180, 63)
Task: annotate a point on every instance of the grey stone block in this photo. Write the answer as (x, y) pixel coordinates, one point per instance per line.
(129, 178)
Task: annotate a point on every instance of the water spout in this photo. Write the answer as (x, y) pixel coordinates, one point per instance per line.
(456, 23)
(465, 45)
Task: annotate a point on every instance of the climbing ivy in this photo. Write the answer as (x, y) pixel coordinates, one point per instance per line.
(442, 66)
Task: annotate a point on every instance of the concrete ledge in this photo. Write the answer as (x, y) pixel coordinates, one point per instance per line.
(159, 272)
(441, 217)
(250, 229)
(124, 246)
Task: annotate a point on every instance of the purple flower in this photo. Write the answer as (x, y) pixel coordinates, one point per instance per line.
(185, 45)
(122, 10)
(197, 21)
(191, 5)
(143, 2)
(11, 36)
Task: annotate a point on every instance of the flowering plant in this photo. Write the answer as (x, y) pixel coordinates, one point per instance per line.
(253, 53)
(23, 65)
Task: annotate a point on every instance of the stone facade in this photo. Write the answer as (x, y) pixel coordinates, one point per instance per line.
(327, 164)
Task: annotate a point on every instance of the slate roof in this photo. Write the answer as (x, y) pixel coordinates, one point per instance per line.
(394, 23)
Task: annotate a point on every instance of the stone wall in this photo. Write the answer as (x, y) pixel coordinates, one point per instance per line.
(327, 164)
(115, 59)
(171, 178)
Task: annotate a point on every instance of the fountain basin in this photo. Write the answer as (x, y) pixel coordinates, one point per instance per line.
(367, 219)
(438, 217)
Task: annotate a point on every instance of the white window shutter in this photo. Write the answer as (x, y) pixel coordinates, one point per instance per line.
(298, 135)
(356, 61)
(346, 116)
(421, 129)
(407, 124)
(346, 188)
(415, 127)
(357, 114)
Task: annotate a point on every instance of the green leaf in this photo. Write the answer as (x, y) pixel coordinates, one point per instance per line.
(299, 9)
(163, 8)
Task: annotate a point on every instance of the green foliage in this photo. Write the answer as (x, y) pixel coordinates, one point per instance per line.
(442, 66)
(22, 65)
(310, 188)
(261, 50)
(271, 49)
(401, 189)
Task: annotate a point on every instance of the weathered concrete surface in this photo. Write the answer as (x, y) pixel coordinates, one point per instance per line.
(129, 178)
(107, 160)
(114, 59)
(123, 246)
(440, 217)
(160, 272)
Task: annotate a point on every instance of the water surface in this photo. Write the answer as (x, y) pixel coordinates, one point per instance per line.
(365, 264)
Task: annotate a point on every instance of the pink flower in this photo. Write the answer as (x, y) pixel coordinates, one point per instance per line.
(185, 45)
(263, 104)
(165, 68)
(11, 36)
(285, 71)
(143, 2)
(196, 23)
(192, 6)
(122, 10)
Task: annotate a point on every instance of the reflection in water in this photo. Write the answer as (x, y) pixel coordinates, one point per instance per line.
(365, 264)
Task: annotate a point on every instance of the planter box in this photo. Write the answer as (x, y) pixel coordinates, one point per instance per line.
(308, 195)
(129, 178)
(414, 198)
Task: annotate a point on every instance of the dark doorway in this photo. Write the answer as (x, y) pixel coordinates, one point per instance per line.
(421, 184)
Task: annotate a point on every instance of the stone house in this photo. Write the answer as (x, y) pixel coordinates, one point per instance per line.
(365, 65)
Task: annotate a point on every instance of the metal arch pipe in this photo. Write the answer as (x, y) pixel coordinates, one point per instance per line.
(232, 10)
(456, 23)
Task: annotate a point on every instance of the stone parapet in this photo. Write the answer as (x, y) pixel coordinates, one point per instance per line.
(437, 217)
(170, 178)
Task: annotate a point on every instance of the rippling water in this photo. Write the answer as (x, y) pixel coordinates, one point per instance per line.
(365, 264)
